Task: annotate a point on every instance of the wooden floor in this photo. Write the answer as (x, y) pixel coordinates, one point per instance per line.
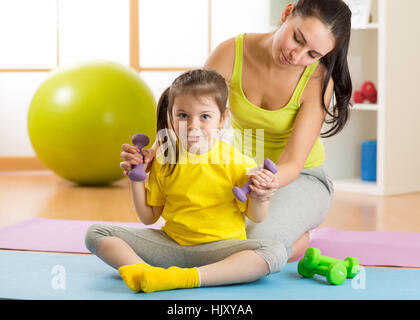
(25, 194)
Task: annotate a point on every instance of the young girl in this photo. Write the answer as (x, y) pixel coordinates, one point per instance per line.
(203, 241)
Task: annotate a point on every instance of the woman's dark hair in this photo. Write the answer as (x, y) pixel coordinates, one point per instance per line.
(197, 82)
(336, 15)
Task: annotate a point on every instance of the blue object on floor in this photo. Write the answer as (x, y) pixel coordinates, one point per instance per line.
(368, 160)
(36, 275)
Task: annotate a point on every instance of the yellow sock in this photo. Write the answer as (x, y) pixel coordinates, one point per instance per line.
(158, 279)
(131, 274)
(144, 277)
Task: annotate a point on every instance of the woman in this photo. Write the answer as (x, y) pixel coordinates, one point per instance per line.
(283, 82)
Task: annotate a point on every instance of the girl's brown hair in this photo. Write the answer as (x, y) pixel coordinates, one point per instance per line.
(197, 82)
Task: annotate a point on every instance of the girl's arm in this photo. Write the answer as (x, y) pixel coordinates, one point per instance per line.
(133, 156)
(257, 210)
(149, 155)
(147, 214)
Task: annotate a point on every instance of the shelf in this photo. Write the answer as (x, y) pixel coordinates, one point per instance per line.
(356, 185)
(369, 26)
(365, 106)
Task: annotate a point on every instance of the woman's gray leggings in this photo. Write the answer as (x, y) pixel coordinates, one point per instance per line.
(299, 207)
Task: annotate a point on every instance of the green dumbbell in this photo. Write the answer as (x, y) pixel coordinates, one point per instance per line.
(314, 259)
(336, 273)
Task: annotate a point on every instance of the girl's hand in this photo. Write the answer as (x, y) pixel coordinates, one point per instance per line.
(264, 183)
(148, 156)
(132, 156)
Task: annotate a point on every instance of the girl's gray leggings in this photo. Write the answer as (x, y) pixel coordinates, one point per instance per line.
(298, 207)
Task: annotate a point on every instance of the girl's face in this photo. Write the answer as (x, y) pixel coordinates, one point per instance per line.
(196, 120)
(299, 41)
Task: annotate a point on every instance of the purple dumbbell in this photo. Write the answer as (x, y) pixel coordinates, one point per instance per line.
(241, 193)
(137, 173)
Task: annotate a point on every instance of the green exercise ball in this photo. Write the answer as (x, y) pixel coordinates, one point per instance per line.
(81, 115)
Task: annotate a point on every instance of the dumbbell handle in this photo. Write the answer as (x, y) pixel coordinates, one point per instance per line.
(137, 173)
(241, 193)
(321, 269)
(326, 261)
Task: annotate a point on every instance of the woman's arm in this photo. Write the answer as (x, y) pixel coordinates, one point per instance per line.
(222, 59)
(147, 214)
(308, 125)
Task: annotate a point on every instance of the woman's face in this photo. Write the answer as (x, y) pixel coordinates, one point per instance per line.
(299, 41)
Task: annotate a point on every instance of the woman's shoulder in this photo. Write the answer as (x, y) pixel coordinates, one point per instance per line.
(320, 72)
(318, 76)
(316, 83)
(222, 58)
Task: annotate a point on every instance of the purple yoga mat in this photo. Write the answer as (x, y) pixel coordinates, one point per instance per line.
(370, 247)
(40, 234)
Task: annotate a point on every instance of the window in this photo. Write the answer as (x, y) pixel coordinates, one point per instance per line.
(157, 38)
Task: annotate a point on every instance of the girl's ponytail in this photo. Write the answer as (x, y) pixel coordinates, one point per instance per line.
(164, 134)
(162, 111)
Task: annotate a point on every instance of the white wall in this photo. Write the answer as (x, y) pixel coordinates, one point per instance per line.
(31, 43)
(16, 90)
(173, 33)
(402, 118)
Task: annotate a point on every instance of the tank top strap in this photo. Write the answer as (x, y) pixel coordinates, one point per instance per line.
(237, 67)
(302, 83)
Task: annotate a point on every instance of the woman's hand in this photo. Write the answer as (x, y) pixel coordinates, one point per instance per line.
(264, 183)
(132, 156)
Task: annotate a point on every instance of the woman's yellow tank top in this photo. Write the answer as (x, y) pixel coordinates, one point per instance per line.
(277, 125)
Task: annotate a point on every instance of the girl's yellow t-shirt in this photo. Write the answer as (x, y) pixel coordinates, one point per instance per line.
(199, 205)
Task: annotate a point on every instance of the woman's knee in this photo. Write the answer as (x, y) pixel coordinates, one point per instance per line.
(299, 246)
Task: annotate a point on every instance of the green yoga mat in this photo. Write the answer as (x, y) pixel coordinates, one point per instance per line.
(56, 276)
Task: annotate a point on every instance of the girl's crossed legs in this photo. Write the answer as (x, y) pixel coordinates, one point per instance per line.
(222, 262)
